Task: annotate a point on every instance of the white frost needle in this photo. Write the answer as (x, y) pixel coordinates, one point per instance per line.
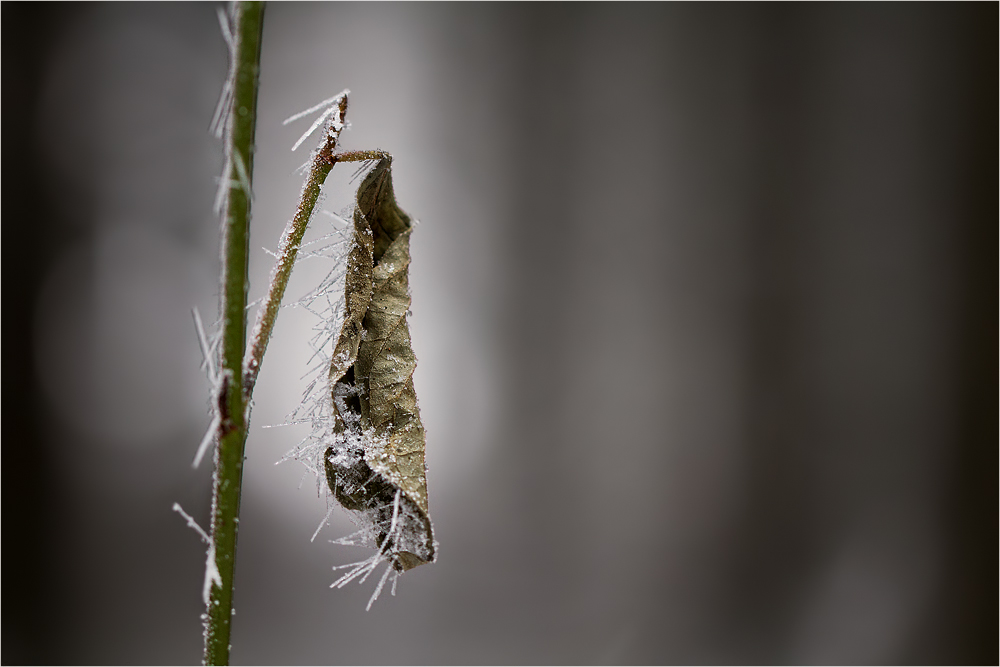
(192, 523)
(320, 240)
(339, 583)
(227, 33)
(333, 109)
(371, 568)
(225, 183)
(241, 171)
(378, 589)
(341, 567)
(336, 217)
(347, 540)
(392, 524)
(207, 440)
(322, 523)
(312, 109)
(218, 118)
(206, 349)
(312, 128)
(212, 575)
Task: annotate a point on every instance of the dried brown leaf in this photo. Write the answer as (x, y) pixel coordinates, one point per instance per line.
(372, 382)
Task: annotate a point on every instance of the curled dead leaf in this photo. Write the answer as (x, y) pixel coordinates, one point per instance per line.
(376, 465)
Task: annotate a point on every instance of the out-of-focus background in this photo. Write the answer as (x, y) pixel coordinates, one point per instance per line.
(704, 301)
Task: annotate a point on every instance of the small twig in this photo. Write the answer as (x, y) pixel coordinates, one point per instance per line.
(291, 241)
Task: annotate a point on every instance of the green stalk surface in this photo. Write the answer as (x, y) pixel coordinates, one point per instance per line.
(247, 26)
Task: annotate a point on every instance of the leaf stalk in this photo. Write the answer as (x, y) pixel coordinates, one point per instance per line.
(288, 248)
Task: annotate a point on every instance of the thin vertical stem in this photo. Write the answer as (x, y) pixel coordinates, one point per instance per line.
(247, 24)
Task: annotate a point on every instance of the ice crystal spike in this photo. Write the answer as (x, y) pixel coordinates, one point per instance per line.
(337, 107)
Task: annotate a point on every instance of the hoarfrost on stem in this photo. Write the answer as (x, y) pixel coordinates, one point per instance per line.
(212, 575)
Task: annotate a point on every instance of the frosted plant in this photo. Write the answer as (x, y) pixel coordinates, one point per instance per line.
(366, 439)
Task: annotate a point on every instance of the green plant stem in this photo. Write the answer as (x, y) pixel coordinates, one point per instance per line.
(247, 25)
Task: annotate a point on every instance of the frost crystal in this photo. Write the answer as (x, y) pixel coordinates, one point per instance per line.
(212, 575)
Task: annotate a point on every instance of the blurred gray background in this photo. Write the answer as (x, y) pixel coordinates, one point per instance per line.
(704, 301)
